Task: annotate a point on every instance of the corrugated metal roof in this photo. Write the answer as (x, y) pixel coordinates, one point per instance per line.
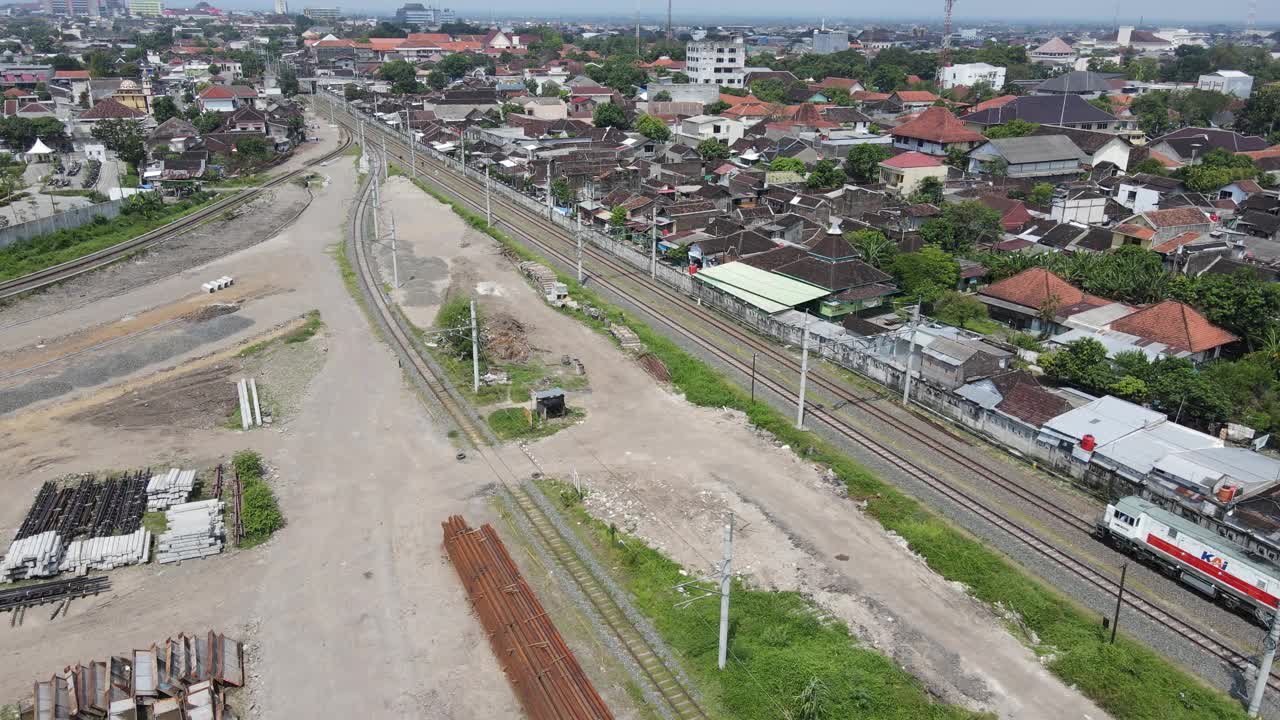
(768, 291)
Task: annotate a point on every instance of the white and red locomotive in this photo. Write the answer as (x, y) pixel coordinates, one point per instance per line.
(1200, 558)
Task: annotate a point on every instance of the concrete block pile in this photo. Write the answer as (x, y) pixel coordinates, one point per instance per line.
(34, 556)
(195, 530)
(107, 553)
(170, 488)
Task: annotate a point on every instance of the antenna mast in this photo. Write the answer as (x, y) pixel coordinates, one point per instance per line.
(1253, 16)
(670, 37)
(945, 58)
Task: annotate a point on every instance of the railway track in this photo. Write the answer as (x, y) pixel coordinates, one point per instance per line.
(663, 679)
(67, 270)
(537, 232)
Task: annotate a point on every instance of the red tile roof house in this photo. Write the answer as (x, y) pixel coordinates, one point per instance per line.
(1155, 227)
(1186, 332)
(1035, 296)
(226, 98)
(1013, 213)
(935, 131)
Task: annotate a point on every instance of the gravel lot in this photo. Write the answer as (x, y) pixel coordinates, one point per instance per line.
(351, 610)
(670, 471)
(249, 225)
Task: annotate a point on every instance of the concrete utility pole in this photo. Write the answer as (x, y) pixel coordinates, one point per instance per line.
(1115, 617)
(475, 352)
(386, 166)
(804, 373)
(377, 206)
(488, 209)
(550, 201)
(395, 264)
(411, 140)
(578, 237)
(724, 591)
(1264, 669)
(653, 245)
(911, 349)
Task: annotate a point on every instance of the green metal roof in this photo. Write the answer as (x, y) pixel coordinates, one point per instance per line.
(768, 291)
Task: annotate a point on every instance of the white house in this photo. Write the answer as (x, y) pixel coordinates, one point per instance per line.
(1230, 82)
(716, 62)
(1083, 206)
(969, 74)
(708, 127)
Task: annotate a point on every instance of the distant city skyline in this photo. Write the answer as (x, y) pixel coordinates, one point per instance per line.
(1151, 12)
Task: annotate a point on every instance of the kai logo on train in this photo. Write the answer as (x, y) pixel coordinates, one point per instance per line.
(1213, 560)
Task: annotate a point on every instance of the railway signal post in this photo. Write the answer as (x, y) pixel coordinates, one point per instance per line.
(1115, 617)
(1264, 669)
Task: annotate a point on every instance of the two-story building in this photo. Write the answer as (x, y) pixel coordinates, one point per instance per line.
(934, 132)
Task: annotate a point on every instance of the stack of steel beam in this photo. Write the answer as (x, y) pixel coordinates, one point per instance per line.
(32, 557)
(541, 669)
(195, 530)
(106, 553)
(170, 488)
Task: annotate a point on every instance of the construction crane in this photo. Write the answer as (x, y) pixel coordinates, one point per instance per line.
(944, 59)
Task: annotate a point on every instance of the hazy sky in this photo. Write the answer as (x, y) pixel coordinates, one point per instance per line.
(1154, 12)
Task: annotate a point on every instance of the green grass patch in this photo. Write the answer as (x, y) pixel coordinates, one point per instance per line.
(239, 182)
(515, 423)
(984, 326)
(130, 180)
(93, 195)
(1128, 680)
(9, 712)
(785, 653)
(44, 251)
(155, 521)
(308, 329)
(262, 516)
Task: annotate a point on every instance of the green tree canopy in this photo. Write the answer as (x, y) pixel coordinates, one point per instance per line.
(609, 115)
(125, 137)
(712, 149)
(926, 274)
(787, 164)
(863, 162)
(1013, 128)
(826, 174)
(876, 250)
(402, 75)
(164, 108)
(962, 226)
(959, 309)
(653, 128)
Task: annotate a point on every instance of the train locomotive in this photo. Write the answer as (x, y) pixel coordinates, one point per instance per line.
(1201, 559)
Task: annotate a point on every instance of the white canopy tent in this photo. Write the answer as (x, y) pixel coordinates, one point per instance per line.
(38, 150)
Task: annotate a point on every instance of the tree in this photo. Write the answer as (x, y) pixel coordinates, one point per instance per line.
(998, 168)
(1013, 128)
(609, 115)
(164, 108)
(770, 90)
(549, 89)
(662, 96)
(826, 174)
(712, 149)
(386, 29)
(716, 107)
(1082, 363)
(215, 69)
(563, 192)
(961, 226)
(888, 78)
(618, 219)
(288, 80)
(1041, 194)
(929, 191)
(653, 128)
(957, 157)
(787, 164)
(402, 75)
(876, 249)
(208, 122)
(959, 309)
(65, 62)
(863, 162)
(926, 274)
(680, 78)
(125, 137)
(437, 80)
(1261, 112)
(1150, 166)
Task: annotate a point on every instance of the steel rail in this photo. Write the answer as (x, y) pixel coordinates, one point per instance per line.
(106, 256)
(519, 225)
(664, 680)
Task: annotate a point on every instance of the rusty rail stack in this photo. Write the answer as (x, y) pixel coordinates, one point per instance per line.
(543, 671)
